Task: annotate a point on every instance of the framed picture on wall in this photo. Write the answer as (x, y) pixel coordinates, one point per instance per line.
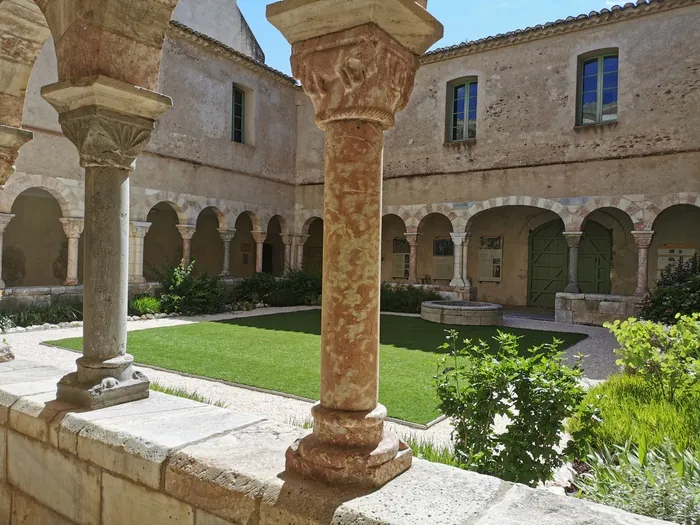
(490, 264)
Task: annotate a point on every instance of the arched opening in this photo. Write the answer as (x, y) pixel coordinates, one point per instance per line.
(435, 250)
(395, 249)
(35, 248)
(243, 249)
(313, 248)
(677, 234)
(207, 247)
(163, 242)
(273, 249)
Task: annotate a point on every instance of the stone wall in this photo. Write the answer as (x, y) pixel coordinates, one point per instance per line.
(593, 309)
(168, 460)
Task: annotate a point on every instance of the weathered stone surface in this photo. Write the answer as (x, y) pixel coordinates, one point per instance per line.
(26, 511)
(204, 518)
(124, 502)
(6, 502)
(6, 353)
(66, 485)
(35, 416)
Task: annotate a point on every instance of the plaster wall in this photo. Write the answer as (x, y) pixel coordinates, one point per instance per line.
(243, 248)
(207, 246)
(392, 228)
(163, 242)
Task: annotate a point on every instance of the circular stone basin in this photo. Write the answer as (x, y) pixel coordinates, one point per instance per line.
(468, 313)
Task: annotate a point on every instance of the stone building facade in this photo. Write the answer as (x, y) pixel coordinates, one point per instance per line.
(520, 173)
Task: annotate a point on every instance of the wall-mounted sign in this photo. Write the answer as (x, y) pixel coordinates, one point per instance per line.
(670, 254)
(490, 264)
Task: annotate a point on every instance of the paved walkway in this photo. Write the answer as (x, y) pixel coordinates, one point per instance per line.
(598, 347)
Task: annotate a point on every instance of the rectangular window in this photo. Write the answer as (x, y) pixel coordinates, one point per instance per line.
(238, 134)
(464, 97)
(598, 90)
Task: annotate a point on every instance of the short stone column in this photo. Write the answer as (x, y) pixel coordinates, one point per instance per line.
(573, 240)
(288, 241)
(412, 238)
(457, 279)
(300, 243)
(643, 241)
(187, 231)
(259, 238)
(226, 237)
(138, 232)
(358, 77)
(5, 219)
(109, 121)
(73, 229)
(11, 140)
(465, 266)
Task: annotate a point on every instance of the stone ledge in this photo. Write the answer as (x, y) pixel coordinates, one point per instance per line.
(173, 461)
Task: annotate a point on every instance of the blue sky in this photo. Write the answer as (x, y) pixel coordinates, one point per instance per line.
(463, 20)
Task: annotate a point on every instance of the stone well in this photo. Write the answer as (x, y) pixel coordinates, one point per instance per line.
(467, 313)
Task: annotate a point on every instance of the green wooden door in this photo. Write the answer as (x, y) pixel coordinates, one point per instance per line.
(548, 264)
(594, 259)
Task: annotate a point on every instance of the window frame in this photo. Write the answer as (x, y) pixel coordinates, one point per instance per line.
(452, 87)
(600, 57)
(238, 89)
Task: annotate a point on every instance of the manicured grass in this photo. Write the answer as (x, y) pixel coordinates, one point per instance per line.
(631, 410)
(282, 353)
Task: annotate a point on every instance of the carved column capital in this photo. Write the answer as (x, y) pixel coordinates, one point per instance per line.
(412, 238)
(11, 140)
(226, 235)
(287, 239)
(643, 238)
(361, 73)
(302, 238)
(459, 238)
(573, 239)
(187, 231)
(259, 236)
(138, 229)
(108, 120)
(73, 227)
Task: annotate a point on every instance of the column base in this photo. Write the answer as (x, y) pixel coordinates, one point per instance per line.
(347, 466)
(458, 283)
(572, 288)
(71, 282)
(137, 280)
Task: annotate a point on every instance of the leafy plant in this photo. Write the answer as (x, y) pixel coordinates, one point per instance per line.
(187, 294)
(54, 313)
(536, 392)
(256, 289)
(144, 304)
(667, 358)
(676, 291)
(425, 449)
(405, 299)
(661, 483)
(295, 288)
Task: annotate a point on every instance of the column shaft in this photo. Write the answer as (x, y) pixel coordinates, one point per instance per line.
(457, 239)
(136, 251)
(258, 257)
(412, 239)
(573, 240)
(226, 238)
(5, 219)
(465, 267)
(301, 241)
(643, 240)
(72, 272)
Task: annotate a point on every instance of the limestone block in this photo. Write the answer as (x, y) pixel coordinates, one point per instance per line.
(564, 316)
(124, 502)
(9, 394)
(62, 483)
(26, 511)
(34, 415)
(204, 518)
(611, 308)
(3, 455)
(6, 504)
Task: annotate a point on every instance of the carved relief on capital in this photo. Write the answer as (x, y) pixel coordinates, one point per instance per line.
(287, 239)
(139, 229)
(412, 238)
(72, 227)
(105, 138)
(643, 238)
(11, 140)
(187, 231)
(226, 235)
(361, 73)
(573, 239)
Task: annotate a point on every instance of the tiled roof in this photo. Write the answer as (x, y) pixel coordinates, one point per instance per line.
(572, 23)
(236, 56)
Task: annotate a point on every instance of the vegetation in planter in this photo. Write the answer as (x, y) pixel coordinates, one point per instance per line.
(676, 291)
(144, 304)
(405, 299)
(188, 294)
(54, 313)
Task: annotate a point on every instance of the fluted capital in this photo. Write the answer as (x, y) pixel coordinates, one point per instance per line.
(138, 230)
(573, 239)
(643, 238)
(108, 120)
(226, 235)
(302, 238)
(73, 227)
(187, 231)
(358, 74)
(459, 238)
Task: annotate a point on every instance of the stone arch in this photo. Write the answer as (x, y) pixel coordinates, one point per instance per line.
(254, 219)
(443, 209)
(534, 202)
(207, 246)
(219, 207)
(71, 205)
(163, 244)
(404, 213)
(282, 222)
(141, 208)
(308, 222)
(633, 210)
(668, 201)
(303, 220)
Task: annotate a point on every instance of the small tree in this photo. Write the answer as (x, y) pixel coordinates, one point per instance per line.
(677, 291)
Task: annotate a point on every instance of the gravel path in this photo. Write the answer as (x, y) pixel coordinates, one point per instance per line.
(598, 348)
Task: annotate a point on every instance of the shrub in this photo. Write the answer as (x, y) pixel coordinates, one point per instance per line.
(536, 392)
(667, 358)
(144, 304)
(183, 293)
(662, 483)
(54, 313)
(255, 289)
(631, 411)
(295, 288)
(676, 291)
(405, 299)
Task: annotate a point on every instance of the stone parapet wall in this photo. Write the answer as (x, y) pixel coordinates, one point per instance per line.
(37, 296)
(593, 309)
(168, 460)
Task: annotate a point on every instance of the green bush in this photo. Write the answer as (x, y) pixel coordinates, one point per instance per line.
(667, 358)
(405, 299)
(536, 392)
(662, 483)
(255, 289)
(54, 313)
(631, 411)
(295, 288)
(144, 304)
(187, 294)
(676, 291)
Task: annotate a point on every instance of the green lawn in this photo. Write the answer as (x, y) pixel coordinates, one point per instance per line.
(282, 353)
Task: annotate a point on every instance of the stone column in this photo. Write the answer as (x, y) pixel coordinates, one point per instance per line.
(301, 241)
(465, 266)
(109, 121)
(259, 238)
(136, 248)
(187, 231)
(573, 240)
(288, 240)
(412, 239)
(73, 229)
(226, 237)
(5, 219)
(643, 241)
(11, 140)
(359, 70)
(457, 280)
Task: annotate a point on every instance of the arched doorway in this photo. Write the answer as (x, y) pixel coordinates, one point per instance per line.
(163, 242)
(243, 247)
(35, 248)
(548, 264)
(207, 247)
(435, 250)
(595, 259)
(273, 249)
(395, 249)
(313, 248)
